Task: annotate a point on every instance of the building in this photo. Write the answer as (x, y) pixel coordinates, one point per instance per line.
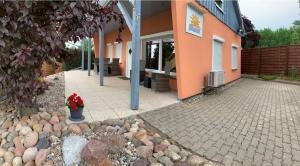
(182, 40)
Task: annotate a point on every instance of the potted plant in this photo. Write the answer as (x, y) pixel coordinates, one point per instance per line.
(75, 105)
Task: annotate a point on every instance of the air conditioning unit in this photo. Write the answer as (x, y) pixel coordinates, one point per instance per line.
(216, 78)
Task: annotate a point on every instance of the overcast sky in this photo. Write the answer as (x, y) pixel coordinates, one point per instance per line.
(271, 13)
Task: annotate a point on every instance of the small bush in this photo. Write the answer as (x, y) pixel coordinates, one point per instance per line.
(293, 73)
(74, 61)
(269, 77)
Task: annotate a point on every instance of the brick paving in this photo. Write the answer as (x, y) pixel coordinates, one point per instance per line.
(252, 123)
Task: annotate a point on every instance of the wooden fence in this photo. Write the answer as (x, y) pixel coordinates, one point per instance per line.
(271, 61)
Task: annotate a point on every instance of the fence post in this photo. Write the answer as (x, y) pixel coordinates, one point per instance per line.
(287, 51)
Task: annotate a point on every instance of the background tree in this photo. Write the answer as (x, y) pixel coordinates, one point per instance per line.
(279, 37)
(35, 31)
(251, 37)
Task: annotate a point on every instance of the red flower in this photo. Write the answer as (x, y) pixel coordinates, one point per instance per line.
(74, 101)
(73, 106)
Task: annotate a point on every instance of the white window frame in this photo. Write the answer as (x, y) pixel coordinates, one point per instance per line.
(118, 51)
(222, 41)
(158, 36)
(220, 7)
(236, 47)
(110, 56)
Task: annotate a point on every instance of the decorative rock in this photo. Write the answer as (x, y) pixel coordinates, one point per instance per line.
(29, 154)
(25, 130)
(11, 136)
(18, 127)
(160, 147)
(166, 161)
(19, 148)
(134, 127)
(7, 145)
(194, 160)
(129, 135)
(54, 120)
(157, 164)
(8, 157)
(43, 143)
(17, 161)
(1, 161)
(156, 140)
(57, 129)
(31, 139)
(30, 163)
(144, 151)
(41, 156)
(137, 142)
(72, 147)
(6, 124)
(141, 162)
(49, 163)
(165, 142)
(95, 152)
(141, 135)
(174, 156)
(74, 129)
(6, 164)
(180, 163)
(2, 152)
(84, 126)
(45, 115)
(47, 128)
(111, 129)
(174, 148)
(158, 154)
(38, 127)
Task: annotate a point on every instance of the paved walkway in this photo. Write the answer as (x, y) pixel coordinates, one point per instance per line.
(252, 123)
(112, 100)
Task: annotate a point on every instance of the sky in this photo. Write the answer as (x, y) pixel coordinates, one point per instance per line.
(272, 14)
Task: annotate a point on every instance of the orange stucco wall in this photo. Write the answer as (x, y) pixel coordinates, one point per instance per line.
(154, 24)
(194, 54)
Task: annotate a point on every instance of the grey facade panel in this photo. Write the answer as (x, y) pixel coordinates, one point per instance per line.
(230, 14)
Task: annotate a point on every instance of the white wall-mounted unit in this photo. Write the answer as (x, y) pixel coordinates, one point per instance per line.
(216, 79)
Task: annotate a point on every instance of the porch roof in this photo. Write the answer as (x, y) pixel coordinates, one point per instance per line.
(148, 9)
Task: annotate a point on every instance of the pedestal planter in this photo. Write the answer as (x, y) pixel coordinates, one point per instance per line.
(76, 115)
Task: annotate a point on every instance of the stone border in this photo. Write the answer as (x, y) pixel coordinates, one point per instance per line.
(165, 136)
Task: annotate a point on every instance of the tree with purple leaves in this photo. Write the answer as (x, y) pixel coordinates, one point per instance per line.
(32, 32)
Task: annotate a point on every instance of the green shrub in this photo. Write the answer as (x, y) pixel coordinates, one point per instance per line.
(269, 77)
(293, 73)
(74, 61)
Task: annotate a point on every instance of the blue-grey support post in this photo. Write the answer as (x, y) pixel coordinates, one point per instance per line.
(82, 55)
(136, 44)
(101, 56)
(89, 56)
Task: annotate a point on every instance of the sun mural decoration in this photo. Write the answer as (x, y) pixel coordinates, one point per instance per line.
(194, 23)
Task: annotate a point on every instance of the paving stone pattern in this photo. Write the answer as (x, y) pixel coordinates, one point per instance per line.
(252, 123)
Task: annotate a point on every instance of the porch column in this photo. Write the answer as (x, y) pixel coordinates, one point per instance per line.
(89, 56)
(135, 74)
(101, 56)
(82, 54)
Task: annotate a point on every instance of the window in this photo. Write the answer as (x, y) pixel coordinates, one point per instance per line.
(234, 50)
(159, 53)
(119, 52)
(219, 4)
(110, 52)
(217, 62)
